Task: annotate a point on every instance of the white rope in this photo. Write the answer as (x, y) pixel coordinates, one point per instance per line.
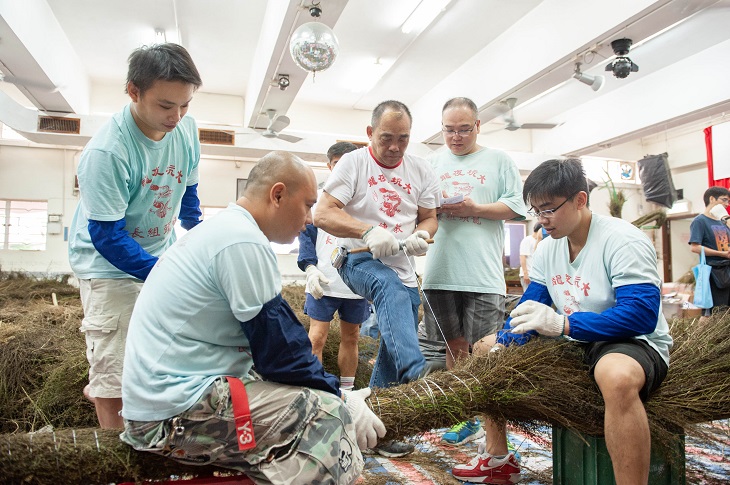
(438, 325)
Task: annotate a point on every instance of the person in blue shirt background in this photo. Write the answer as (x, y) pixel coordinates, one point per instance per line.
(137, 176)
(709, 230)
(326, 293)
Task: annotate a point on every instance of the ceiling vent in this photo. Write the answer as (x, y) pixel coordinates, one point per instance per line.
(216, 137)
(58, 124)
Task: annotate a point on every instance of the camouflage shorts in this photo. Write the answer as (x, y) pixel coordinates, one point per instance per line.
(302, 435)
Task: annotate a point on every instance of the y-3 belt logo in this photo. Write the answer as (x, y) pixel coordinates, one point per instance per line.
(244, 431)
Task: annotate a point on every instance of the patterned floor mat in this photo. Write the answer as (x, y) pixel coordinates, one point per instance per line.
(707, 459)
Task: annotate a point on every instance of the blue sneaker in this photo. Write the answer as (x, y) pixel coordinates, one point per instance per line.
(463, 432)
(511, 448)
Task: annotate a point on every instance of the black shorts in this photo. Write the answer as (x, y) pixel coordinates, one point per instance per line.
(655, 369)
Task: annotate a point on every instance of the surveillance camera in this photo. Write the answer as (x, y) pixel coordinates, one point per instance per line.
(622, 66)
(283, 81)
(621, 46)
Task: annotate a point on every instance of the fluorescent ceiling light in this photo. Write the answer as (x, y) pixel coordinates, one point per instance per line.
(368, 74)
(423, 15)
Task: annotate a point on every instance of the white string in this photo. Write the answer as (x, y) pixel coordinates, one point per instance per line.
(448, 348)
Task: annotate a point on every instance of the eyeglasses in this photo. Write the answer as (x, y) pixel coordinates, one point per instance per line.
(448, 132)
(548, 213)
(724, 200)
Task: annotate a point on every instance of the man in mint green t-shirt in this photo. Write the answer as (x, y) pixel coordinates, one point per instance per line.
(464, 278)
(137, 176)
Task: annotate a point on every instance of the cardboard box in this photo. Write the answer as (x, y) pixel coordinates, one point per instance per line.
(678, 309)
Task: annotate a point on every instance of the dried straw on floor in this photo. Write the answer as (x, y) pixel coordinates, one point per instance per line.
(43, 367)
(542, 382)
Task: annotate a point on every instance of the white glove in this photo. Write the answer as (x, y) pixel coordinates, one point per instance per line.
(416, 244)
(533, 315)
(381, 242)
(315, 280)
(368, 427)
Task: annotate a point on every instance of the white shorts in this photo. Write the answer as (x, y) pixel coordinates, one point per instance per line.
(108, 305)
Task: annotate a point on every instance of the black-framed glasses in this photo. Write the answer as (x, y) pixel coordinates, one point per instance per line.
(449, 132)
(548, 213)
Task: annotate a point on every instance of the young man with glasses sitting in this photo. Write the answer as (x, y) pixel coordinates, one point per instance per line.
(601, 274)
(464, 278)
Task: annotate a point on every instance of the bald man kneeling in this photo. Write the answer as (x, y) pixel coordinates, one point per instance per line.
(211, 310)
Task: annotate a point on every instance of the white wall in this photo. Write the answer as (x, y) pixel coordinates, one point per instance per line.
(31, 172)
(28, 173)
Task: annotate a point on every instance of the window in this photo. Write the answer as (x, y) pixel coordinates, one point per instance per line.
(208, 212)
(23, 225)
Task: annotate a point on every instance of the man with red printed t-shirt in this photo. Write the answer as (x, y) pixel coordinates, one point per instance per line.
(385, 199)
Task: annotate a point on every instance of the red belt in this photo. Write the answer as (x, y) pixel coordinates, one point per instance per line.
(241, 414)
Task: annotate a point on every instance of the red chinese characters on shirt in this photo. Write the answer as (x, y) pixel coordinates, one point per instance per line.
(571, 304)
(390, 202)
(464, 188)
(161, 205)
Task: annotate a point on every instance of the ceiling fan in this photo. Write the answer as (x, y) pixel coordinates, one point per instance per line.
(28, 83)
(512, 124)
(276, 124)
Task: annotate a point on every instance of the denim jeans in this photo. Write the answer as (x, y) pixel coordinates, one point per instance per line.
(396, 307)
(369, 327)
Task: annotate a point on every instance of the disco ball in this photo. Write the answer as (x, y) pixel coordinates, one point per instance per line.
(313, 46)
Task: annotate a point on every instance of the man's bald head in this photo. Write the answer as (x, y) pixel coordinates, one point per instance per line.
(280, 193)
(278, 166)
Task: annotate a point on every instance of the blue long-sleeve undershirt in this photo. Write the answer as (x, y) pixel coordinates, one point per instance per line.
(635, 313)
(307, 247)
(190, 212)
(117, 246)
(282, 351)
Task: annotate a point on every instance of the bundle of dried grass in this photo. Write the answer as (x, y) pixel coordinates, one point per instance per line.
(43, 367)
(542, 382)
(83, 456)
(545, 381)
(658, 217)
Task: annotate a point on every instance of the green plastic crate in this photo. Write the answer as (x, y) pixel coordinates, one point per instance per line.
(580, 459)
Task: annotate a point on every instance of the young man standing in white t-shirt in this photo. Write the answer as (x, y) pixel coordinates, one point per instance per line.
(383, 198)
(601, 274)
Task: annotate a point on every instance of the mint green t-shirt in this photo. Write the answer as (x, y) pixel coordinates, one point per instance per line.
(124, 174)
(467, 252)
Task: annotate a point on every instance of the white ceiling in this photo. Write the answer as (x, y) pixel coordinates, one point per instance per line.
(64, 54)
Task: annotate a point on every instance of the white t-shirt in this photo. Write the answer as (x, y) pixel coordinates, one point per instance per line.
(467, 252)
(385, 197)
(326, 244)
(527, 247)
(182, 335)
(616, 254)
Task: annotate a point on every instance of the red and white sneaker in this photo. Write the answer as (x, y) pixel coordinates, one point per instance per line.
(484, 468)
